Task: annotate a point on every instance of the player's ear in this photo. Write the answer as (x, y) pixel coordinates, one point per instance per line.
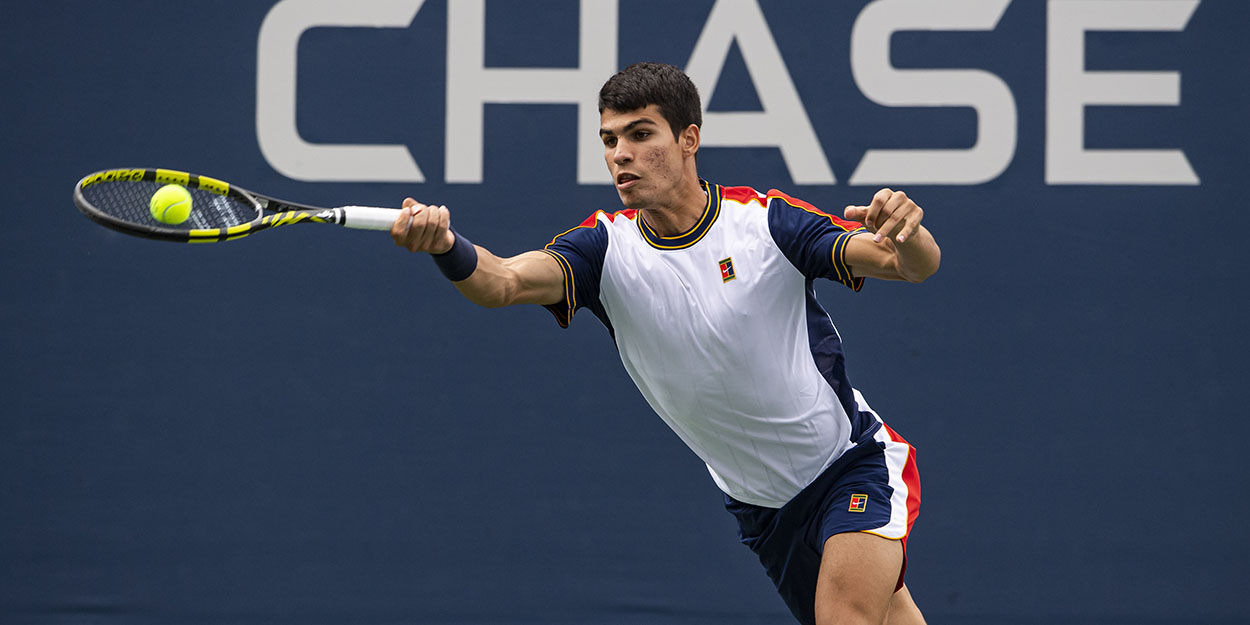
(689, 140)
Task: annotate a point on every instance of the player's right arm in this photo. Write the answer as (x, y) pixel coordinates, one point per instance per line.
(529, 278)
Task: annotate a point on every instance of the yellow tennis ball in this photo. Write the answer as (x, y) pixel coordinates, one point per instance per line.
(171, 204)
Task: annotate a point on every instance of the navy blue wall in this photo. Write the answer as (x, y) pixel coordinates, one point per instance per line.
(311, 426)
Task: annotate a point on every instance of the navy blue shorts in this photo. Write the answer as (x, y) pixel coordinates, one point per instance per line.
(874, 487)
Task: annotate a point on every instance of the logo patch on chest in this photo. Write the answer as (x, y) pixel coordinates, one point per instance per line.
(727, 270)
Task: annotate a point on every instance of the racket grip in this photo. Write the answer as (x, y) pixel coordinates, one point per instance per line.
(369, 217)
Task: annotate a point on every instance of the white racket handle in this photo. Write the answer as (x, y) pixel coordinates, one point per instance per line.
(368, 217)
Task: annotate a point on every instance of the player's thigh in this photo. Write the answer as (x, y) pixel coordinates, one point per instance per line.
(858, 576)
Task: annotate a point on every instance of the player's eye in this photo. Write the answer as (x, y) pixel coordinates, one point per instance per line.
(609, 142)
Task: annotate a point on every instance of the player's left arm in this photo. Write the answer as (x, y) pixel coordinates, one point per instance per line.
(898, 246)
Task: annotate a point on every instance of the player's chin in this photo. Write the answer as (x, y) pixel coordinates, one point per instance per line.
(631, 198)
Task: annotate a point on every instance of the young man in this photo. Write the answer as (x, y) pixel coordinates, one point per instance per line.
(707, 292)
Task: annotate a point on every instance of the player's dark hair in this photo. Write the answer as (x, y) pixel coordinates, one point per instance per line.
(663, 85)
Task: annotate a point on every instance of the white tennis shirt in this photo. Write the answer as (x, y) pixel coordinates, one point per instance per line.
(720, 329)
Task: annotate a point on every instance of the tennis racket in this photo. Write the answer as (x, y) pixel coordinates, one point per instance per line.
(119, 199)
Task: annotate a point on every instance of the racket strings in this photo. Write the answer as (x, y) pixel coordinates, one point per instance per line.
(130, 201)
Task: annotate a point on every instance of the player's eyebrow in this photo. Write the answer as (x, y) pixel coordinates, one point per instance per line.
(604, 132)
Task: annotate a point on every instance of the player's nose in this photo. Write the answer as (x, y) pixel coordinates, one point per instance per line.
(621, 154)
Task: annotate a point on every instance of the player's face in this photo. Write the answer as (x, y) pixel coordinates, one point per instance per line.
(644, 158)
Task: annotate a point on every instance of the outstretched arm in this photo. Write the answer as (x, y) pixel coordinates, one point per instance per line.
(899, 248)
(529, 278)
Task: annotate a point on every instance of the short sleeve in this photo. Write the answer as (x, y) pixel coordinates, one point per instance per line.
(813, 240)
(580, 254)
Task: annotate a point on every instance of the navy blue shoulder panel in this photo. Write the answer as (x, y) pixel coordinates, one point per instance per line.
(813, 241)
(580, 253)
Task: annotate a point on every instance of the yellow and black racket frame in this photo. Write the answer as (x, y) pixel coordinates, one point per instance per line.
(270, 212)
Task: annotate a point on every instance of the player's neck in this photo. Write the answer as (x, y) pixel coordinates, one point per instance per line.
(681, 213)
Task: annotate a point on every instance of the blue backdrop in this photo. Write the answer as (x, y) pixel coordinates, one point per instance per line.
(310, 426)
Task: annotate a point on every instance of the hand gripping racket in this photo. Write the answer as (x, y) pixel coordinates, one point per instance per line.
(119, 199)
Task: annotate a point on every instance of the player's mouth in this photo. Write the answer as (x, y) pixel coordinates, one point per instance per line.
(626, 180)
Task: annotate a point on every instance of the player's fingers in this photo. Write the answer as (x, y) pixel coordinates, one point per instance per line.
(878, 204)
(433, 228)
(893, 223)
(445, 238)
(904, 211)
(913, 224)
(399, 229)
(897, 200)
(855, 213)
(417, 229)
(898, 209)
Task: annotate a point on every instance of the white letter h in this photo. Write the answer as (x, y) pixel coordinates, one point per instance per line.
(470, 85)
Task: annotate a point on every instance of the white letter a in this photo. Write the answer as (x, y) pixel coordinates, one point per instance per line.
(783, 123)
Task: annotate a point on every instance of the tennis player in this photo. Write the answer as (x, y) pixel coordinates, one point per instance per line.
(707, 291)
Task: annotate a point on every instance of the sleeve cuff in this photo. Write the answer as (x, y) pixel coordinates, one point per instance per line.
(841, 270)
(563, 310)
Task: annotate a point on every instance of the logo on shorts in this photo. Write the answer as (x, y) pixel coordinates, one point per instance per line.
(859, 503)
(727, 270)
